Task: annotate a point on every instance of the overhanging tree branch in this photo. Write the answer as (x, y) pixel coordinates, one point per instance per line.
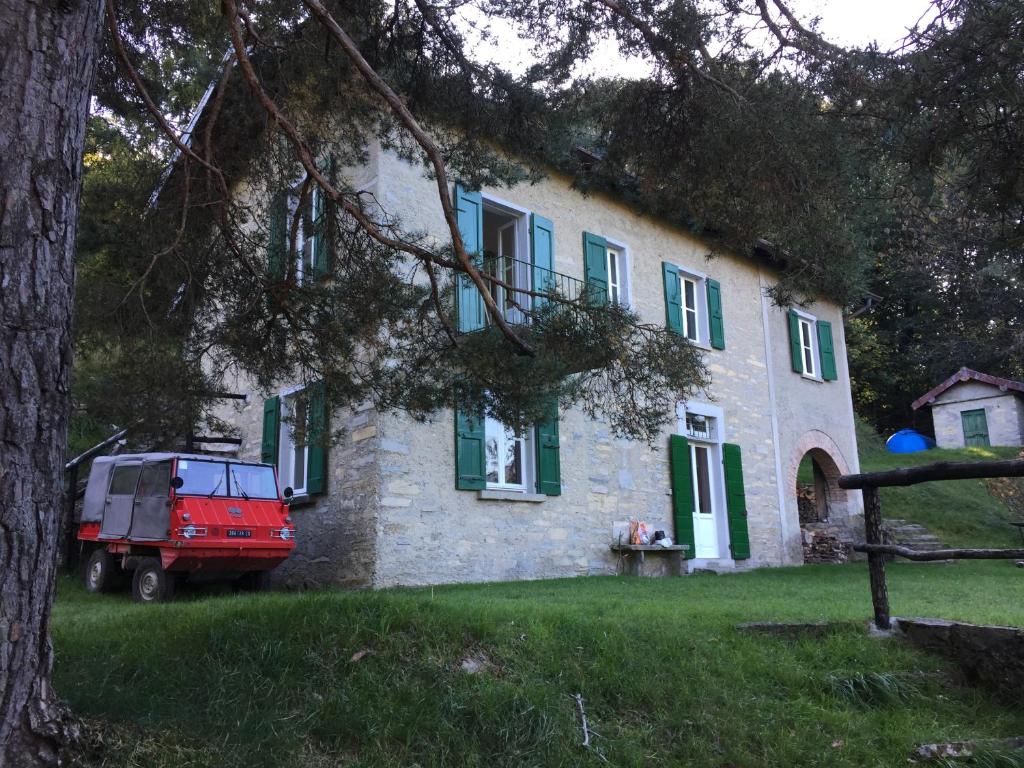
(427, 144)
(676, 59)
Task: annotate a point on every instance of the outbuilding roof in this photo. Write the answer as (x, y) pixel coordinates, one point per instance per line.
(966, 374)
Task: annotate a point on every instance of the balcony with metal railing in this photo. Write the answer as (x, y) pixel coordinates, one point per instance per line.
(517, 303)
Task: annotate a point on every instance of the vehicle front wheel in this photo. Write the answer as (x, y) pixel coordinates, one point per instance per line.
(102, 573)
(151, 583)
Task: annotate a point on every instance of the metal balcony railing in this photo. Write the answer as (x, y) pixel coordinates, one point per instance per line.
(516, 303)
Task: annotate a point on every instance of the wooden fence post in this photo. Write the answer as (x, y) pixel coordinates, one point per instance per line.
(876, 560)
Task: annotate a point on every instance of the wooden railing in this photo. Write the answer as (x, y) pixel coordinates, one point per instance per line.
(876, 550)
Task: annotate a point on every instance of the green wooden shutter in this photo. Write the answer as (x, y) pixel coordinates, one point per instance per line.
(796, 352)
(682, 491)
(318, 435)
(595, 268)
(549, 469)
(542, 255)
(736, 502)
(470, 467)
(826, 351)
(716, 321)
(271, 430)
(469, 213)
(673, 297)
(277, 265)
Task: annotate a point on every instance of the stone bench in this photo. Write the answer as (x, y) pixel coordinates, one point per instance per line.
(634, 554)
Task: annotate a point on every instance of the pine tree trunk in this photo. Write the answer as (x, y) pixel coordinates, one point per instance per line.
(47, 62)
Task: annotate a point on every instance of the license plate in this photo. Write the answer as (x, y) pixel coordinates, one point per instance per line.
(239, 534)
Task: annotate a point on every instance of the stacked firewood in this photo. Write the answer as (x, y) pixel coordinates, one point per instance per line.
(806, 504)
(821, 547)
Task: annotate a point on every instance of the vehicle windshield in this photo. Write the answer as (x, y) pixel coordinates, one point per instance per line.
(253, 482)
(202, 478)
(208, 478)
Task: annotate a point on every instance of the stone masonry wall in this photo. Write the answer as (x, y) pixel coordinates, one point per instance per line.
(813, 414)
(429, 532)
(336, 534)
(392, 515)
(336, 531)
(1003, 411)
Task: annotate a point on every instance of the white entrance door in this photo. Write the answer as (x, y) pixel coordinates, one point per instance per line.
(705, 524)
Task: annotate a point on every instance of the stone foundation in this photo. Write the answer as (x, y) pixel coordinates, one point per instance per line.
(992, 656)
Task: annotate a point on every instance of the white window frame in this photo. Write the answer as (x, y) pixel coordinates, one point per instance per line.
(523, 275)
(685, 279)
(493, 427)
(810, 322)
(700, 295)
(286, 442)
(305, 247)
(623, 284)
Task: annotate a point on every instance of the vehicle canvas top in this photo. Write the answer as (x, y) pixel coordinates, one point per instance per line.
(99, 476)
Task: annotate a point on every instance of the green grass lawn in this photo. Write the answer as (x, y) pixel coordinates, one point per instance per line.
(218, 680)
(222, 681)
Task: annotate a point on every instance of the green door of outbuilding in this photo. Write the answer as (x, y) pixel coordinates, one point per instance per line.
(975, 427)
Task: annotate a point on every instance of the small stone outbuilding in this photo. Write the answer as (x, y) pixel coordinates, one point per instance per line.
(975, 409)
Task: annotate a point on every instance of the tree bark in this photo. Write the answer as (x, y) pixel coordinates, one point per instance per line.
(47, 62)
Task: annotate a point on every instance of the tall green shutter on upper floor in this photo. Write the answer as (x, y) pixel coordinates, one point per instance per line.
(549, 469)
(716, 320)
(469, 213)
(542, 256)
(470, 463)
(680, 473)
(595, 268)
(673, 297)
(271, 430)
(319, 434)
(826, 351)
(277, 245)
(796, 352)
(736, 502)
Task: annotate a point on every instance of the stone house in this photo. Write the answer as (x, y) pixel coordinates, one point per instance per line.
(975, 409)
(398, 502)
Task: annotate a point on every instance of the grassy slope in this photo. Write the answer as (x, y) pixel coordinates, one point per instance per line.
(268, 680)
(961, 512)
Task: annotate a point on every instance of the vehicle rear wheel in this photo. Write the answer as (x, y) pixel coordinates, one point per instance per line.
(253, 581)
(102, 573)
(151, 583)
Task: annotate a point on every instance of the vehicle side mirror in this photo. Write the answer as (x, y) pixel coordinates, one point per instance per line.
(176, 482)
(288, 492)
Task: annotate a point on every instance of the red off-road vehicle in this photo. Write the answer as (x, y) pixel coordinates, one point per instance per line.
(166, 516)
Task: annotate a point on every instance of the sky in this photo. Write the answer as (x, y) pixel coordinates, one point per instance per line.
(845, 22)
(858, 22)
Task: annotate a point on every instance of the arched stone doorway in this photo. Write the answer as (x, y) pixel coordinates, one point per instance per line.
(822, 506)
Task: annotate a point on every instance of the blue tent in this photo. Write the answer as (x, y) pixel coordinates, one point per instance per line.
(908, 441)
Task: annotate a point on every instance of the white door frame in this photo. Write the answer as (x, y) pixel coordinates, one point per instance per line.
(716, 473)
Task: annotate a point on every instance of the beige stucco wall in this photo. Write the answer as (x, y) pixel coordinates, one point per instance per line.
(1004, 412)
(430, 532)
